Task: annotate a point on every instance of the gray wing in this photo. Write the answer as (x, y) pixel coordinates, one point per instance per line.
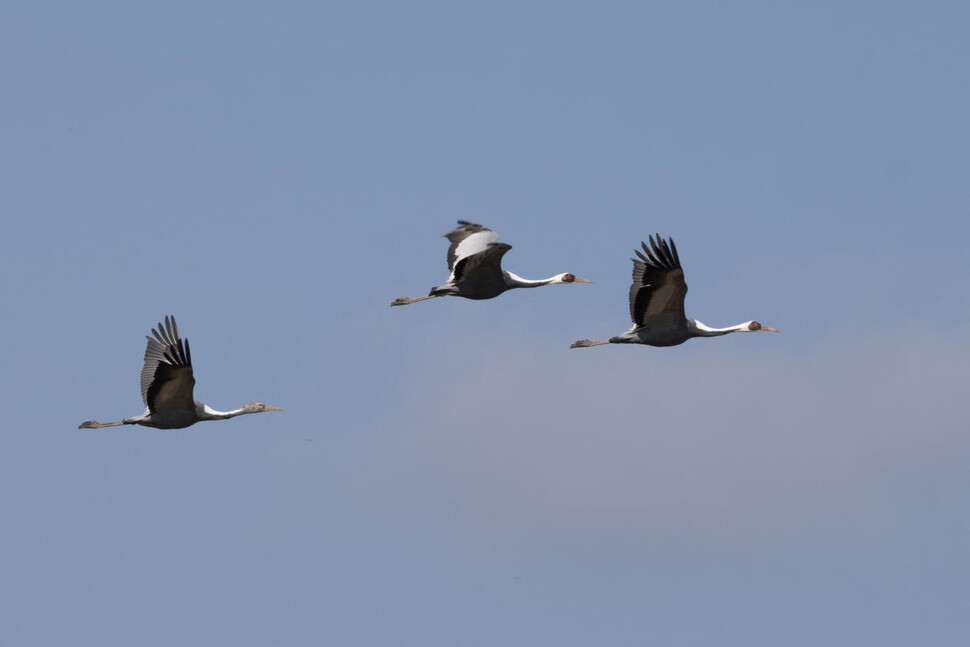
(466, 240)
(483, 266)
(658, 289)
(166, 377)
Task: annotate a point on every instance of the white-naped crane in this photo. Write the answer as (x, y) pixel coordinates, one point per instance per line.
(657, 303)
(166, 387)
(475, 261)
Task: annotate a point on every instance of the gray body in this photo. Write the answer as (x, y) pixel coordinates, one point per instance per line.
(477, 276)
(174, 418)
(663, 336)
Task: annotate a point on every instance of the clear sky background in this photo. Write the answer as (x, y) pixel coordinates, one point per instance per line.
(451, 473)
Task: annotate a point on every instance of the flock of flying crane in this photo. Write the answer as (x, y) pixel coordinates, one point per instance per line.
(475, 261)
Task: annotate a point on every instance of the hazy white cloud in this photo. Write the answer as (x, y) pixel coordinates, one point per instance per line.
(681, 441)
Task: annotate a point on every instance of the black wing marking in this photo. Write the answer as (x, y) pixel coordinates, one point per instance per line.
(166, 377)
(658, 289)
(483, 265)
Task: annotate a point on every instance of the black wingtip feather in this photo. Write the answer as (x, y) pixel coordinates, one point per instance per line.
(673, 248)
(664, 250)
(652, 254)
(660, 253)
(175, 349)
(174, 330)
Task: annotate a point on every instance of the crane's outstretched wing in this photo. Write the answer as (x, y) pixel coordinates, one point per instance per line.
(658, 289)
(166, 377)
(484, 266)
(466, 240)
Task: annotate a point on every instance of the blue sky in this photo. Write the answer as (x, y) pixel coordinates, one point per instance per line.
(451, 473)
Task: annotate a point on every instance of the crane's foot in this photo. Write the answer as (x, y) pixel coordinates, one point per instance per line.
(91, 424)
(403, 301)
(585, 343)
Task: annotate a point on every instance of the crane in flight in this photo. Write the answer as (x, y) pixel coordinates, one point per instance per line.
(166, 387)
(657, 303)
(475, 262)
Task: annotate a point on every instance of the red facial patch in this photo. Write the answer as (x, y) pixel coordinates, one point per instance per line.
(754, 325)
(569, 278)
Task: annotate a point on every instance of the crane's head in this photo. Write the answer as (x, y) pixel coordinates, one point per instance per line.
(754, 326)
(257, 407)
(568, 278)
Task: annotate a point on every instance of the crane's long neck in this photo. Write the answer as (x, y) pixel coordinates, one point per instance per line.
(207, 413)
(515, 281)
(703, 330)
